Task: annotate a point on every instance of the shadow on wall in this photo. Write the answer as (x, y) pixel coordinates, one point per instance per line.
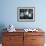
(2, 26)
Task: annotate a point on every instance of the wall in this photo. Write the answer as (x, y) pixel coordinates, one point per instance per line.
(8, 13)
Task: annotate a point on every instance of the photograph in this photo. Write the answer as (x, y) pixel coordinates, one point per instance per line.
(25, 14)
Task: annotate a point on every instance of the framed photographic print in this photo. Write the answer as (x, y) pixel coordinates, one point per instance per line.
(26, 14)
